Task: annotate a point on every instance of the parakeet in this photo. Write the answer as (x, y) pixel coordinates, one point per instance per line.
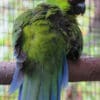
(44, 38)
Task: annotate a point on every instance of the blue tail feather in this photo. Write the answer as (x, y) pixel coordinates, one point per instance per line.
(65, 77)
(20, 92)
(47, 88)
(54, 87)
(62, 80)
(16, 81)
(59, 83)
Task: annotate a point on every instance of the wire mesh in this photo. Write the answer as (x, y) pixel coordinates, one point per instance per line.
(10, 9)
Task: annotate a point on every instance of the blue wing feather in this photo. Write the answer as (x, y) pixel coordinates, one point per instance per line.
(20, 92)
(17, 80)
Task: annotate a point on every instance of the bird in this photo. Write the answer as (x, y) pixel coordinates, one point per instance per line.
(44, 39)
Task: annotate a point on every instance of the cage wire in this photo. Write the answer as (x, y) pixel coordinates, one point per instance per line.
(10, 9)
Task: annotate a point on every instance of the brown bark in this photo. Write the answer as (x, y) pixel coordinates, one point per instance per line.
(85, 69)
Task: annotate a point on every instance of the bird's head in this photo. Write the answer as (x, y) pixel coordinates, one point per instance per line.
(77, 7)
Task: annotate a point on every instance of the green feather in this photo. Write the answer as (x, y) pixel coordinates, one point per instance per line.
(62, 4)
(45, 35)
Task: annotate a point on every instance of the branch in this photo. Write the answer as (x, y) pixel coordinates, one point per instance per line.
(85, 69)
(6, 72)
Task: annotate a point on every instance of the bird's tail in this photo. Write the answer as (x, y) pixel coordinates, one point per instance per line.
(39, 87)
(44, 86)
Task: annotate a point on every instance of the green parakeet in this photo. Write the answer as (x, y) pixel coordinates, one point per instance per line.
(44, 38)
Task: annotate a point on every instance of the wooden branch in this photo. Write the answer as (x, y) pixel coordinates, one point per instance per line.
(85, 69)
(6, 72)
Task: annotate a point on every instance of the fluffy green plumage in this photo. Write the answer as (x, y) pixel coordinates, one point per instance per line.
(63, 4)
(40, 39)
(45, 35)
(69, 24)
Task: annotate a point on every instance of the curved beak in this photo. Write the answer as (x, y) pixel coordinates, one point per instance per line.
(81, 7)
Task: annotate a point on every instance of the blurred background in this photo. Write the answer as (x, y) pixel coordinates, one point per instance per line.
(90, 26)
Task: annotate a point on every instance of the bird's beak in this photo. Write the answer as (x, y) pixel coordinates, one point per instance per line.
(81, 7)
